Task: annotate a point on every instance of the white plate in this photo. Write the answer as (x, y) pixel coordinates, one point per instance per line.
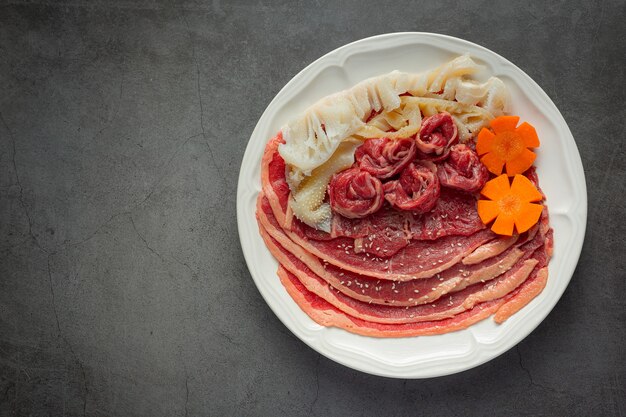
(560, 172)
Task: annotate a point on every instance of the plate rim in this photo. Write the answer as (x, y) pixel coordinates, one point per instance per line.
(579, 209)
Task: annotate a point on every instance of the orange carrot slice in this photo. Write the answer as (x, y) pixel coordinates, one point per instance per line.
(508, 147)
(513, 206)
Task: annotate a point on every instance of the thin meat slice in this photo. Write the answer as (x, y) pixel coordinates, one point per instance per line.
(462, 170)
(419, 259)
(531, 288)
(526, 246)
(436, 310)
(386, 230)
(273, 180)
(454, 213)
(384, 157)
(376, 291)
(355, 194)
(502, 243)
(437, 134)
(416, 190)
(447, 307)
(325, 314)
(488, 250)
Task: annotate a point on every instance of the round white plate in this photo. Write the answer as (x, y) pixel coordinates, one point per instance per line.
(560, 171)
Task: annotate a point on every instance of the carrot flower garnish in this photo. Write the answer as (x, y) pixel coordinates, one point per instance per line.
(507, 145)
(510, 204)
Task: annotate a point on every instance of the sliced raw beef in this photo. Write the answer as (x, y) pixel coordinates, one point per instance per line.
(387, 231)
(454, 214)
(501, 244)
(416, 190)
(406, 293)
(528, 245)
(437, 134)
(355, 194)
(531, 288)
(419, 259)
(325, 314)
(462, 170)
(384, 157)
(273, 180)
(444, 308)
(437, 310)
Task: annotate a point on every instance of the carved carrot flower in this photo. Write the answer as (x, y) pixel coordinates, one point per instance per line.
(507, 145)
(510, 204)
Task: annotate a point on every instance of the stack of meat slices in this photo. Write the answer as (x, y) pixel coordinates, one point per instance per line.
(394, 273)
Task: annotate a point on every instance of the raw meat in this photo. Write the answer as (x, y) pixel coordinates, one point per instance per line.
(462, 170)
(355, 194)
(384, 157)
(417, 189)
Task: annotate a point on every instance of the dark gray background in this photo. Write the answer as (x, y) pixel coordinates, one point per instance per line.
(123, 289)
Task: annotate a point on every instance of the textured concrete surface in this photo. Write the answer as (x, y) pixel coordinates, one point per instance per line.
(123, 289)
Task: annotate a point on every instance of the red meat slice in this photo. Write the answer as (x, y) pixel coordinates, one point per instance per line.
(390, 230)
(531, 288)
(436, 135)
(273, 179)
(416, 190)
(387, 231)
(355, 194)
(437, 310)
(454, 214)
(419, 259)
(325, 314)
(407, 293)
(384, 157)
(462, 170)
